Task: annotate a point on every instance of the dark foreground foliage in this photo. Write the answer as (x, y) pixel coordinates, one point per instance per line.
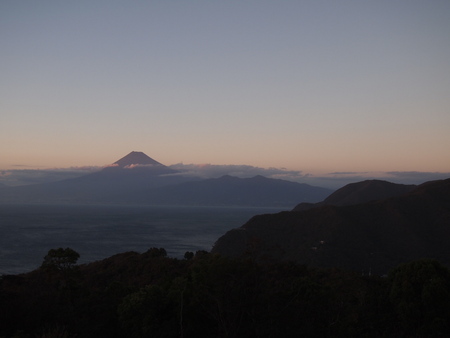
(205, 295)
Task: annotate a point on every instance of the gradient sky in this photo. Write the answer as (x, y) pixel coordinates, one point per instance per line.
(315, 86)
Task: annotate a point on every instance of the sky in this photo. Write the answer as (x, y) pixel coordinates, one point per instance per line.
(316, 88)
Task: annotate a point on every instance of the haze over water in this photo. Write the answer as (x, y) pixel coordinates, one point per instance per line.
(28, 232)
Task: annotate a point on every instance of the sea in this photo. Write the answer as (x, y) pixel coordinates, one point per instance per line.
(28, 232)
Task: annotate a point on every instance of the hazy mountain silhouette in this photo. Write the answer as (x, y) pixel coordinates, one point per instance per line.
(373, 236)
(229, 190)
(138, 179)
(135, 171)
(360, 192)
(137, 158)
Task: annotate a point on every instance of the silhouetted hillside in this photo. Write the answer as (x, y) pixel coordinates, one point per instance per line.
(361, 192)
(366, 191)
(373, 236)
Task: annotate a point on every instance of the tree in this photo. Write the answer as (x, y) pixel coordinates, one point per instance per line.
(60, 259)
(155, 252)
(420, 294)
(188, 255)
(149, 312)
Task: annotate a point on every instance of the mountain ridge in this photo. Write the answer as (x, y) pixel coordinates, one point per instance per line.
(234, 191)
(375, 235)
(360, 192)
(138, 179)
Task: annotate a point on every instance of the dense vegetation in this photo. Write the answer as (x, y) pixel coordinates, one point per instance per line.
(206, 295)
(375, 235)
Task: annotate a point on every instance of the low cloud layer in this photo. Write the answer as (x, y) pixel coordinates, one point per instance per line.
(337, 180)
(243, 171)
(132, 166)
(332, 180)
(15, 177)
(409, 177)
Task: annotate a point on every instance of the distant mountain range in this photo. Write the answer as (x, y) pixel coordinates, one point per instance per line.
(138, 179)
(369, 226)
(232, 191)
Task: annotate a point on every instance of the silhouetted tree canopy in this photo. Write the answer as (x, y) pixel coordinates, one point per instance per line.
(188, 255)
(151, 295)
(155, 252)
(60, 259)
(420, 294)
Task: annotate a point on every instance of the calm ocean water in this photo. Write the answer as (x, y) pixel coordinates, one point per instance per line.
(27, 232)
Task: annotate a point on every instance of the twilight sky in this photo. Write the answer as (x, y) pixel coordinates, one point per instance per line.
(310, 86)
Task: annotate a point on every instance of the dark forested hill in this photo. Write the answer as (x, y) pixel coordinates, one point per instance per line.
(361, 192)
(373, 236)
(150, 295)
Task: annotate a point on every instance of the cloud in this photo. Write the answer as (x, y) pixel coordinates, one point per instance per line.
(415, 177)
(129, 166)
(332, 180)
(132, 166)
(336, 180)
(351, 173)
(21, 165)
(15, 177)
(243, 171)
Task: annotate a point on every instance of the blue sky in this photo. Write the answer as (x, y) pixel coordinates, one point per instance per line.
(317, 87)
